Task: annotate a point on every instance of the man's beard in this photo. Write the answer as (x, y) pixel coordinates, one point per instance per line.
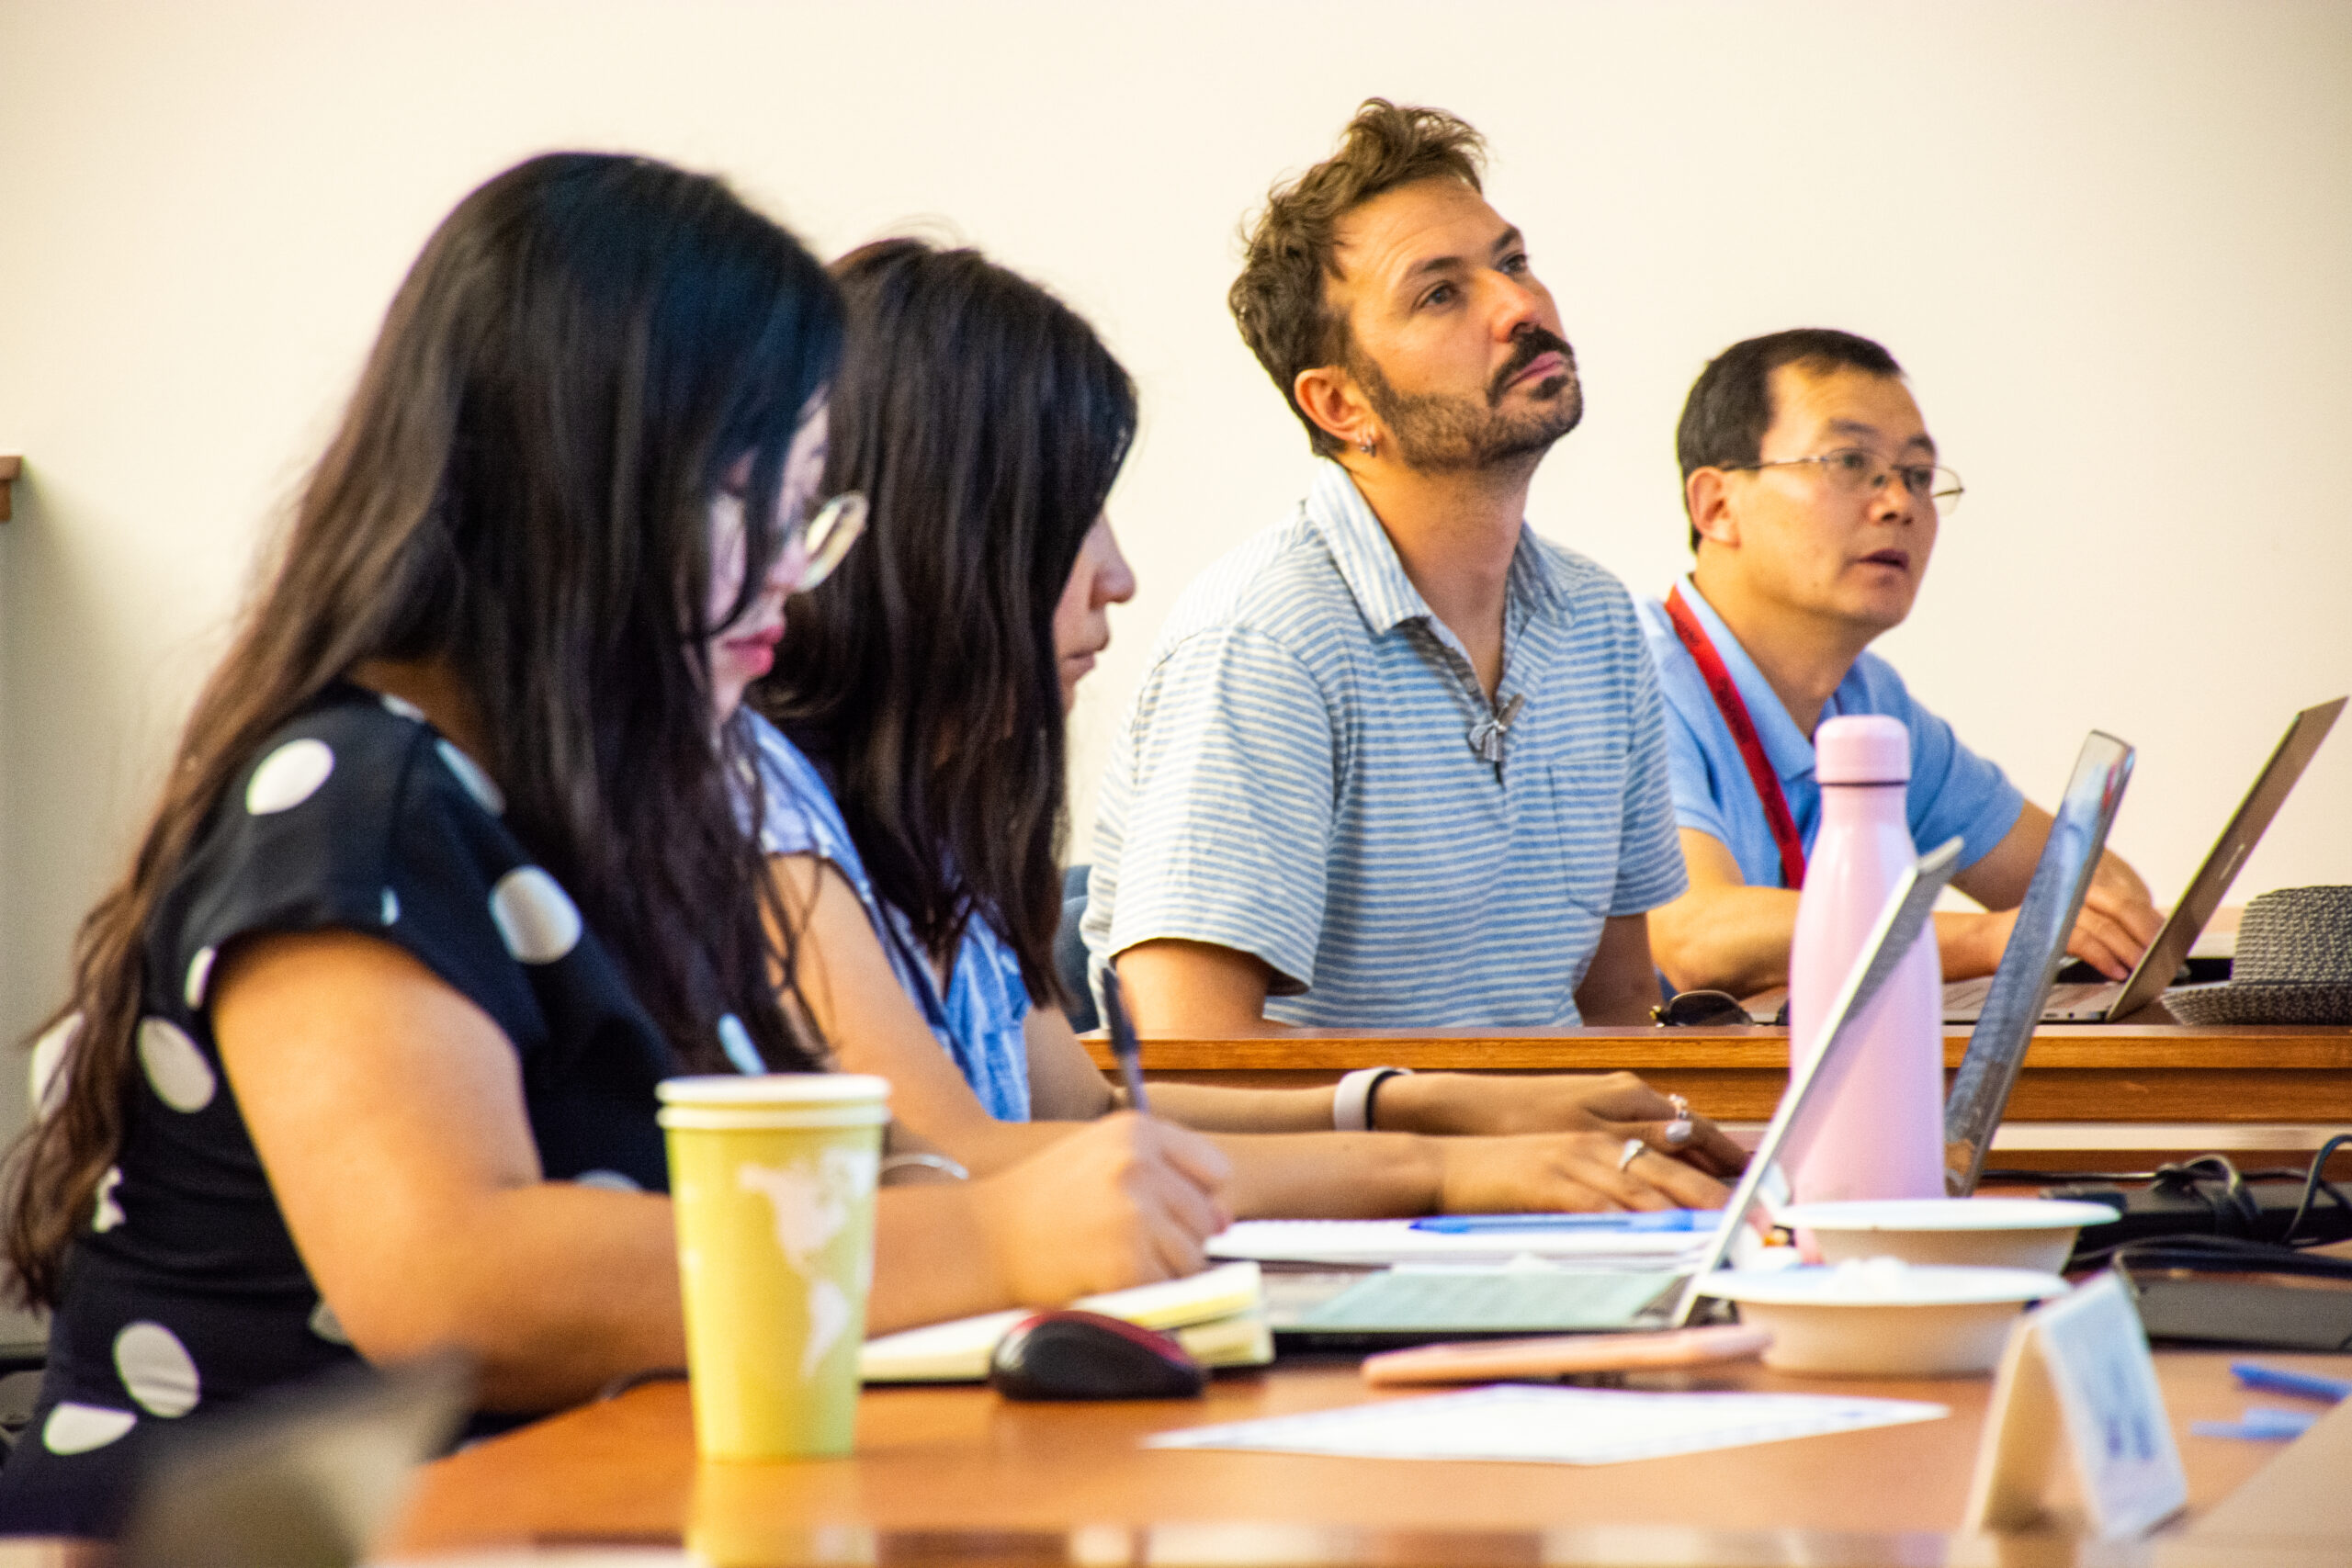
(1439, 433)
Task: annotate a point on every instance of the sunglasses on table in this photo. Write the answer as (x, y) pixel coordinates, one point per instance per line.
(1701, 1009)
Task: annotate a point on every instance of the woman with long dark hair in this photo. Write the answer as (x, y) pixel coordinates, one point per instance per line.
(916, 795)
(450, 870)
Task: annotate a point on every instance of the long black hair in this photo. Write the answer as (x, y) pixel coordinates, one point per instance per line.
(985, 423)
(520, 489)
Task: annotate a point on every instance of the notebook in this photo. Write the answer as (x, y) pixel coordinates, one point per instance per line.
(1217, 1316)
(2109, 1001)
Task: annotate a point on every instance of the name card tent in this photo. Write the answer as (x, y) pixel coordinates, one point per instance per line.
(2078, 1391)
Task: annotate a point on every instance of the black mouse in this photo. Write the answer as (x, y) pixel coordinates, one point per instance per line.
(1084, 1355)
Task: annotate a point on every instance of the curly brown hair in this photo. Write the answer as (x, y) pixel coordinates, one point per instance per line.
(1280, 300)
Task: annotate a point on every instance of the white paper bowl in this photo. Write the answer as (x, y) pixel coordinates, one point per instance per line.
(1884, 1318)
(1985, 1233)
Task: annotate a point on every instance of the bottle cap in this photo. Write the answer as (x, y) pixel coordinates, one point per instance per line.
(1866, 748)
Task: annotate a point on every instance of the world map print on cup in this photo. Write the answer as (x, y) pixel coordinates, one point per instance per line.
(771, 1179)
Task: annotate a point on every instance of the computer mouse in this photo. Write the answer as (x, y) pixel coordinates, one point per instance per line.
(1084, 1355)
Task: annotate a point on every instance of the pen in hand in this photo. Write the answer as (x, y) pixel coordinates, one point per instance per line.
(1124, 1043)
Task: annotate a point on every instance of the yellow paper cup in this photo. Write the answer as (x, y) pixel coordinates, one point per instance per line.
(773, 1181)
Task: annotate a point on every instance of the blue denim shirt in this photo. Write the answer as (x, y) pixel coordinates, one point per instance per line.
(978, 1021)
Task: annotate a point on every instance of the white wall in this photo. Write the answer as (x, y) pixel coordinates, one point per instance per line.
(2112, 242)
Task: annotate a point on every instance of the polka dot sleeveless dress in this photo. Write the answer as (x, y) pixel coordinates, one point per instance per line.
(184, 1294)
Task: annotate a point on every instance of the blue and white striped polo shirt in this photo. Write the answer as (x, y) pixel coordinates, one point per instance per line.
(1296, 779)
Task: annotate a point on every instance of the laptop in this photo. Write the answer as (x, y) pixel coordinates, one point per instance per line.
(1404, 1306)
(2017, 999)
(2107, 1001)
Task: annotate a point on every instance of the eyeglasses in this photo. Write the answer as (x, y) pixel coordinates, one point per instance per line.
(824, 535)
(1702, 1009)
(1851, 470)
(828, 534)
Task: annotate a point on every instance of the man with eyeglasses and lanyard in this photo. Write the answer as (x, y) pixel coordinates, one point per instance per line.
(1813, 494)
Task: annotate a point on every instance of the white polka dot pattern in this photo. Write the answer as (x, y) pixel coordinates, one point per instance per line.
(534, 916)
(402, 707)
(77, 1429)
(391, 906)
(326, 1325)
(49, 1060)
(109, 1211)
(157, 1370)
(610, 1180)
(176, 1070)
(199, 976)
(478, 782)
(735, 1041)
(289, 776)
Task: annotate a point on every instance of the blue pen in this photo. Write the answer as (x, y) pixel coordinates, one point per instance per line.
(1125, 1047)
(1640, 1220)
(2279, 1379)
(2259, 1426)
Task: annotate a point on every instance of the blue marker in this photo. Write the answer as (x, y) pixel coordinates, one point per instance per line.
(1638, 1220)
(2259, 1426)
(2279, 1379)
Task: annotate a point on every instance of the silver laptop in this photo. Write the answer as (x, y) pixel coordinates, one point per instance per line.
(1333, 1310)
(2107, 1001)
(2020, 987)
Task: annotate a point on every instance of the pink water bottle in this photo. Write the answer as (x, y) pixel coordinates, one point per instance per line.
(1880, 1134)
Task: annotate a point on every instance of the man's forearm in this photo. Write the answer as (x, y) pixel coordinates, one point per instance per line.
(1738, 940)
(1195, 990)
(1969, 942)
(1726, 939)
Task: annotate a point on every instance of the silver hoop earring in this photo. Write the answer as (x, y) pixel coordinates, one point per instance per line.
(1364, 445)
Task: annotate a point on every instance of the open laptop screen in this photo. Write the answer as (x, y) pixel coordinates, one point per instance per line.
(2211, 882)
(1980, 1091)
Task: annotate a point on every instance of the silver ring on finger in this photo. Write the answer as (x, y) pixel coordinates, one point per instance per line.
(1632, 1147)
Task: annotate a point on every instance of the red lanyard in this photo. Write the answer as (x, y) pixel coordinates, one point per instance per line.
(1743, 730)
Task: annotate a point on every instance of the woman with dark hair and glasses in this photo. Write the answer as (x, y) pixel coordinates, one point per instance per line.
(915, 796)
(450, 868)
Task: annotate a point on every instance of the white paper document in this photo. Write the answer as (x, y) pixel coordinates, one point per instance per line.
(1554, 1426)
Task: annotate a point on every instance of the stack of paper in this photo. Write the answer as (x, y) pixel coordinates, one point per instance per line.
(1218, 1316)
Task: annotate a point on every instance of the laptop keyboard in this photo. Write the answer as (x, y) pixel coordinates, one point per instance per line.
(2071, 1003)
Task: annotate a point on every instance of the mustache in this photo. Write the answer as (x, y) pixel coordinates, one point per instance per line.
(1530, 345)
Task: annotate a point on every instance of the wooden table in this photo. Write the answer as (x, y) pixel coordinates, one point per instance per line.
(955, 1475)
(2090, 1097)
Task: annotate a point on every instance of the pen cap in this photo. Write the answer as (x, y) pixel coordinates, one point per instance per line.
(1865, 749)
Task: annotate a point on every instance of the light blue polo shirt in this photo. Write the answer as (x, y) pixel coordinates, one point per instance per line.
(1953, 790)
(1296, 779)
